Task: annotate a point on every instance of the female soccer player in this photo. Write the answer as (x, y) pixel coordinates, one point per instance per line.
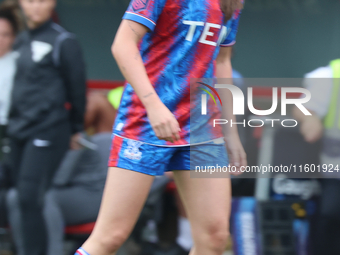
(160, 45)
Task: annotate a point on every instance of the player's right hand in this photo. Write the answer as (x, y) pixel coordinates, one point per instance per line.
(164, 123)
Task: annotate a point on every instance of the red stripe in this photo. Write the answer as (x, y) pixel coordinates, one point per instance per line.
(267, 92)
(116, 147)
(258, 91)
(101, 84)
(80, 229)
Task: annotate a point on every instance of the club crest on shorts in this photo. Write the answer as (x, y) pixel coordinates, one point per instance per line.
(132, 151)
(139, 5)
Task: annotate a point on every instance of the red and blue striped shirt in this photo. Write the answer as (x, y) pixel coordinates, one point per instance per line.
(182, 44)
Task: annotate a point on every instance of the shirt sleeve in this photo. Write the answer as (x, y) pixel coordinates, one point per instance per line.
(232, 30)
(145, 12)
(319, 83)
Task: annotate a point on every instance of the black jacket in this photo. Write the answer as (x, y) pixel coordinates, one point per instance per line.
(50, 72)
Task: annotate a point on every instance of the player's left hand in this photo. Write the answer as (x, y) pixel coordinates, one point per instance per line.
(236, 153)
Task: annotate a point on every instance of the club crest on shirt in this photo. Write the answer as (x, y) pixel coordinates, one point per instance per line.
(139, 5)
(132, 151)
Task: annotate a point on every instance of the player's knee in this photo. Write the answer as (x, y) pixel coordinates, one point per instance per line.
(216, 237)
(219, 239)
(113, 240)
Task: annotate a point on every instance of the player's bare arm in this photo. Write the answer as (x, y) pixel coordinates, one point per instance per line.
(126, 52)
(235, 149)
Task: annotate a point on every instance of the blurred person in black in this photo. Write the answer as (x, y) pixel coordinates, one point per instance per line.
(324, 85)
(50, 73)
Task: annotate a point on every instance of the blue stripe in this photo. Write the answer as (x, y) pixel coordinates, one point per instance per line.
(140, 19)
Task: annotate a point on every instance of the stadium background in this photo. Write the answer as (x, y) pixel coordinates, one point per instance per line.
(277, 38)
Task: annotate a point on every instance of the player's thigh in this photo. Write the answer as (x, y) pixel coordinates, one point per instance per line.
(133, 165)
(207, 201)
(123, 198)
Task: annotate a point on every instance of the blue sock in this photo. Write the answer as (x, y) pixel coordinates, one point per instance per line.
(81, 251)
